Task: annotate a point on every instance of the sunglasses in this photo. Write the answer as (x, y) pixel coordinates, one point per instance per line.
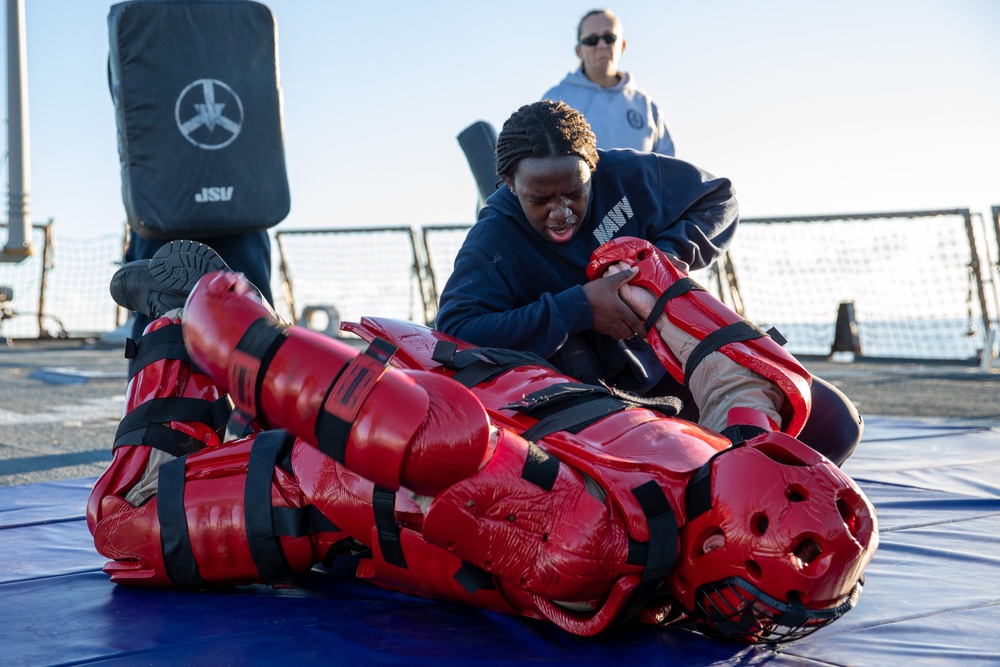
(592, 40)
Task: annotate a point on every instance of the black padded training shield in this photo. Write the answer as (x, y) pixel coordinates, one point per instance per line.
(198, 106)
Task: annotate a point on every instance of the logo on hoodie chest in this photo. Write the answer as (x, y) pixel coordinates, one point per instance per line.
(613, 220)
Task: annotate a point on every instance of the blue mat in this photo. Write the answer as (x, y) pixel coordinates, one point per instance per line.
(931, 598)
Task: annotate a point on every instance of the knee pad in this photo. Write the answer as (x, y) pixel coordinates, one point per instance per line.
(834, 427)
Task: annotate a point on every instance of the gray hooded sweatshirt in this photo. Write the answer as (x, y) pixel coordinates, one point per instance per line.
(621, 116)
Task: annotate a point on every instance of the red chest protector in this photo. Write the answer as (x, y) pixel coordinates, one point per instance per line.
(639, 460)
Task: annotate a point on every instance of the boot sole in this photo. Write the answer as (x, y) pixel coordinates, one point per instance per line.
(179, 265)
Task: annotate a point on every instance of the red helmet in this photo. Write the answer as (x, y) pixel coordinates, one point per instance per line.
(775, 542)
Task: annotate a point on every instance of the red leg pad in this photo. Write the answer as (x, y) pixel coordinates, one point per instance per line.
(216, 524)
(699, 314)
(164, 378)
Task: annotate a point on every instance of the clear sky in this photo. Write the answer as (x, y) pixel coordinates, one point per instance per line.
(809, 107)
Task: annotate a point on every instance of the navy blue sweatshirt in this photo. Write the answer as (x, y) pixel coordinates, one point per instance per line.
(512, 288)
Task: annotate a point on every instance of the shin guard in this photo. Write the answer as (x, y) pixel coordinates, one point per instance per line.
(226, 515)
(689, 307)
(171, 409)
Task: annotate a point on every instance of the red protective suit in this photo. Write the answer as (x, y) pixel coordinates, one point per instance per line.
(521, 491)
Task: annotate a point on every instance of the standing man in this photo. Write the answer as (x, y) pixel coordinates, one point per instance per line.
(619, 112)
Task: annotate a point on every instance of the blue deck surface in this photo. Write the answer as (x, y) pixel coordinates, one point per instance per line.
(932, 595)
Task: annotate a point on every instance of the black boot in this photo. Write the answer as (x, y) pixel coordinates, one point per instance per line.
(158, 285)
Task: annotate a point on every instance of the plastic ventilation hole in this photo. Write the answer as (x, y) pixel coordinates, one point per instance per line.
(758, 524)
(797, 493)
(806, 551)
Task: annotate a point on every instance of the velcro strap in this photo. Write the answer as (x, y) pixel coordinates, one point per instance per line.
(638, 552)
(238, 426)
(568, 406)
(300, 521)
(346, 395)
(249, 361)
(698, 495)
(482, 364)
(166, 439)
(550, 399)
(682, 286)
(384, 504)
(473, 580)
(165, 343)
(733, 333)
(660, 552)
(175, 540)
(540, 468)
(738, 433)
(133, 426)
(777, 337)
(796, 615)
(574, 417)
(662, 530)
(265, 548)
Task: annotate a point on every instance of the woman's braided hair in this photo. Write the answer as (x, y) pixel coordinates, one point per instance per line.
(544, 129)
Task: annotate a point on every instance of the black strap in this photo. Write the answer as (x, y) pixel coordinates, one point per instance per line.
(167, 342)
(264, 545)
(250, 359)
(662, 546)
(166, 439)
(482, 364)
(566, 406)
(698, 495)
(733, 333)
(575, 417)
(175, 540)
(540, 468)
(240, 425)
(796, 615)
(133, 428)
(777, 337)
(660, 551)
(473, 580)
(638, 552)
(738, 433)
(384, 504)
(682, 286)
(347, 394)
(300, 521)
(444, 352)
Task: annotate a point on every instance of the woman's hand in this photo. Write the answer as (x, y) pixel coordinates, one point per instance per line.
(612, 316)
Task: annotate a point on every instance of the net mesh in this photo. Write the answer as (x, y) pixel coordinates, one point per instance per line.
(358, 272)
(62, 289)
(915, 282)
(909, 278)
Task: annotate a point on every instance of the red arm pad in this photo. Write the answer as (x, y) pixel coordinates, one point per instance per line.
(382, 423)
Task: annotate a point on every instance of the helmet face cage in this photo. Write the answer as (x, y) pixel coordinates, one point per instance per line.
(733, 608)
